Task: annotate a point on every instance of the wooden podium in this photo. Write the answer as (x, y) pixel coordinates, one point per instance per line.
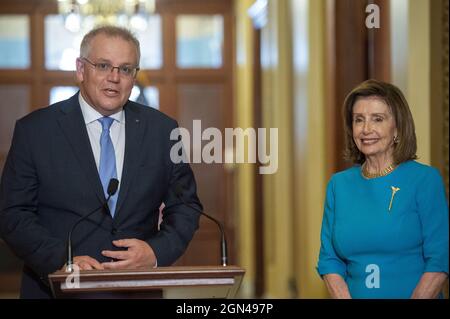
(162, 282)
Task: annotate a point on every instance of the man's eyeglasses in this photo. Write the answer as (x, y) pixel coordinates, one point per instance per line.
(124, 70)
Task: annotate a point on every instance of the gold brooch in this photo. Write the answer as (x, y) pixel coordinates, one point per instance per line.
(394, 191)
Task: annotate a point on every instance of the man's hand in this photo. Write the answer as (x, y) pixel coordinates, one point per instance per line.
(85, 263)
(138, 255)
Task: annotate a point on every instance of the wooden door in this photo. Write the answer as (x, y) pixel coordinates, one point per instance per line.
(196, 90)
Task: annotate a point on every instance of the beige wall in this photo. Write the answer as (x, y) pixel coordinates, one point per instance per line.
(277, 113)
(411, 65)
(419, 91)
(244, 172)
(293, 101)
(309, 141)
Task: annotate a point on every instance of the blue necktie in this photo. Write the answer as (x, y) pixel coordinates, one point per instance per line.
(107, 169)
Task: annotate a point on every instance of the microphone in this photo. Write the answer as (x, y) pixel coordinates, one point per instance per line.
(223, 242)
(112, 189)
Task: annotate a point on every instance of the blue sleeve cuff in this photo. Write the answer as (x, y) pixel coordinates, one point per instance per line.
(331, 269)
(435, 268)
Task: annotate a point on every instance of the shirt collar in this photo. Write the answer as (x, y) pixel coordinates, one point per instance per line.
(91, 115)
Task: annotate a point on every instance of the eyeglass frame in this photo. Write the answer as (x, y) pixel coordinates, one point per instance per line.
(111, 68)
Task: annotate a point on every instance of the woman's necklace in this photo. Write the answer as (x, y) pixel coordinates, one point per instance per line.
(383, 172)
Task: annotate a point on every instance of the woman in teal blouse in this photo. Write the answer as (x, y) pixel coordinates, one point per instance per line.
(385, 224)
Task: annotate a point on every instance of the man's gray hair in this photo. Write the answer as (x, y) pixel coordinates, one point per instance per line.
(111, 31)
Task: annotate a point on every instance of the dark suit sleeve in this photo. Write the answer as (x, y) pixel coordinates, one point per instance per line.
(19, 223)
(179, 221)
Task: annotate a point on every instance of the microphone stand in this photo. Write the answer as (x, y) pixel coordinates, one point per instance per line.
(223, 241)
(112, 189)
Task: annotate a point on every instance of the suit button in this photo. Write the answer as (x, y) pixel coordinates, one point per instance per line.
(114, 231)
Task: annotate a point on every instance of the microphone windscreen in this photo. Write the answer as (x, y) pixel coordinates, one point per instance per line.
(112, 186)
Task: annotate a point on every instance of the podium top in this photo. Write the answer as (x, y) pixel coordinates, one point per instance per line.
(169, 282)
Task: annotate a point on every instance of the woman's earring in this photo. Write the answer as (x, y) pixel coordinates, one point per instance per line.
(395, 140)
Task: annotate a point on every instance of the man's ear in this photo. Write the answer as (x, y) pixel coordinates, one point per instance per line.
(80, 70)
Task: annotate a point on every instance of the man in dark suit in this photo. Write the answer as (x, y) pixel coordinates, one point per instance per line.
(62, 158)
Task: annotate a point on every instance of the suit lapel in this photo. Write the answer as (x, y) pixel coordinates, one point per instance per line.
(134, 133)
(74, 128)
